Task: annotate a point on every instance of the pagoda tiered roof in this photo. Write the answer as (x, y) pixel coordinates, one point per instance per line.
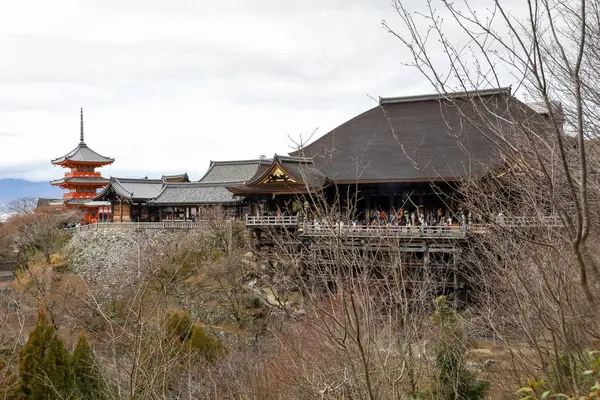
(82, 154)
(80, 181)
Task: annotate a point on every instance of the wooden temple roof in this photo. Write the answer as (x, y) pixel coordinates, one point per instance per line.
(176, 178)
(284, 175)
(195, 193)
(132, 189)
(232, 171)
(211, 189)
(416, 138)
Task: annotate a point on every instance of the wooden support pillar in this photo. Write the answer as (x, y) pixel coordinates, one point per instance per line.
(426, 262)
(458, 292)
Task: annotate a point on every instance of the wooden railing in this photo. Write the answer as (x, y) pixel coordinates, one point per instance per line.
(317, 229)
(325, 228)
(83, 174)
(199, 225)
(79, 195)
(264, 220)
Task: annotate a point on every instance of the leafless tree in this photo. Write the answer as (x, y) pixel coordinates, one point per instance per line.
(541, 274)
(22, 205)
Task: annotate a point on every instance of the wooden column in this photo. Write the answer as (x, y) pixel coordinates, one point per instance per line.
(426, 262)
(456, 284)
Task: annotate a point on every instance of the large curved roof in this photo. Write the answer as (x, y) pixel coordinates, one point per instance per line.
(417, 138)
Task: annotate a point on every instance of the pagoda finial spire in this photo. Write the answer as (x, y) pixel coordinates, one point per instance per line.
(81, 141)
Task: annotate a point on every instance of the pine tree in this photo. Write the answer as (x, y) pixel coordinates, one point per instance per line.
(88, 381)
(9, 383)
(454, 380)
(44, 366)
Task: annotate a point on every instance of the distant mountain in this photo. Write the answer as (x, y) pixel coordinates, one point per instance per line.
(11, 189)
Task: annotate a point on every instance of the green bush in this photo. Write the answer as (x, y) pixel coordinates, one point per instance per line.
(88, 381)
(44, 367)
(9, 383)
(178, 324)
(207, 345)
(587, 379)
(452, 380)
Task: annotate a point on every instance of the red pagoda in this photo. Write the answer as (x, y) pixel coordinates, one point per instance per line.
(82, 181)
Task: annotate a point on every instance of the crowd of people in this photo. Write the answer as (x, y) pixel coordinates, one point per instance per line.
(414, 218)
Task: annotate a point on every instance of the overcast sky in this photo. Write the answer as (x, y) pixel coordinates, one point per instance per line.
(167, 86)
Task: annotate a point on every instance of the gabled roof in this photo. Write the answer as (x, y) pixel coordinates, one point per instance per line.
(82, 153)
(415, 138)
(229, 172)
(284, 174)
(133, 189)
(195, 193)
(176, 178)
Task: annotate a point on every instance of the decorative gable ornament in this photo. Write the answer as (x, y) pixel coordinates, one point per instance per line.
(278, 175)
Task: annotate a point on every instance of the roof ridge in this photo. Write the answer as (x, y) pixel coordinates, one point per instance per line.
(445, 95)
(139, 180)
(201, 184)
(234, 162)
(298, 159)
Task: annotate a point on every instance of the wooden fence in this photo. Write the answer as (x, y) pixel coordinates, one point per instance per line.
(268, 220)
(322, 230)
(198, 225)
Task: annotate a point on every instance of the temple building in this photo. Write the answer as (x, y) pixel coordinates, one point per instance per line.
(81, 180)
(190, 201)
(129, 198)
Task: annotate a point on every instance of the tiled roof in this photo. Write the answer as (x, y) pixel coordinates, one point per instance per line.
(228, 172)
(417, 138)
(82, 153)
(176, 178)
(303, 172)
(133, 189)
(195, 193)
(445, 96)
(80, 180)
(47, 201)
